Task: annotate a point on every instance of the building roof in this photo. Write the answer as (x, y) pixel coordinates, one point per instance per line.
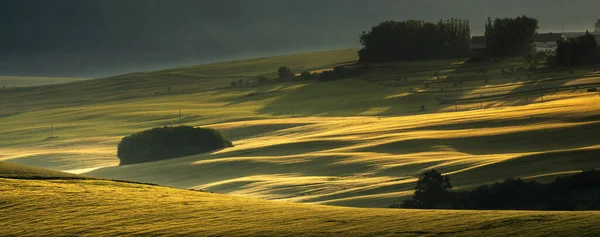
(478, 42)
(547, 37)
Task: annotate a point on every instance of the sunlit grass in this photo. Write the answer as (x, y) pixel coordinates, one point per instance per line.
(106, 208)
(354, 142)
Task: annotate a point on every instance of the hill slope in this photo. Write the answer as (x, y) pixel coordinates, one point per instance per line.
(106, 208)
(319, 142)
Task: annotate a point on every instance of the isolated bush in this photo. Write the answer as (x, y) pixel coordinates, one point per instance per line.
(234, 83)
(168, 142)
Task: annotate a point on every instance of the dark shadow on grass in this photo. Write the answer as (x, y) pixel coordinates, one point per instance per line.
(515, 142)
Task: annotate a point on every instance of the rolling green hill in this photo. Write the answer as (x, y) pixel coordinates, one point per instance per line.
(106, 208)
(358, 141)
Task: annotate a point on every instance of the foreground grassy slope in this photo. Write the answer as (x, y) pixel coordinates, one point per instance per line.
(319, 142)
(106, 208)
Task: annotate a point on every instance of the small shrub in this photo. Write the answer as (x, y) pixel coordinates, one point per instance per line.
(234, 83)
(169, 142)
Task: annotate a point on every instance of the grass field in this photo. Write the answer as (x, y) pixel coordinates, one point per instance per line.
(14, 81)
(85, 207)
(360, 141)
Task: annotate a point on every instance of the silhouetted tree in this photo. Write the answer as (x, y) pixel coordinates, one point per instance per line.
(285, 73)
(577, 192)
(597, 26)
(508, 37)
(432, 190)
(415, 40)
(578, 51)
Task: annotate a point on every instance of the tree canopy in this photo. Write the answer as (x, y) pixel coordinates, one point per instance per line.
(576, 192)
(285, 73)
(597, 26)
(415, 40)
(432, 190)
(578, 51)
(169, 142)
(510, 37)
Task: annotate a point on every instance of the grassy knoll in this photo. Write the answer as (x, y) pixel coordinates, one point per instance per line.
(317, 142)
(106, 208)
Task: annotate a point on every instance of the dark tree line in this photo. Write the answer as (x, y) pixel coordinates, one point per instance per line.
(415, 40)
(578, 51)
(580, 191)
(510, 37)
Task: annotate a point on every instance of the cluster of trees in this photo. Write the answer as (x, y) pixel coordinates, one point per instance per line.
(285, 73)
(578, 51)
(415, 40)
(510, 37)
(577, 192)
(168, 142)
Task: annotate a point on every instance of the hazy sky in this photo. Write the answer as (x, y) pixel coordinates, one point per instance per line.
(105, 37)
